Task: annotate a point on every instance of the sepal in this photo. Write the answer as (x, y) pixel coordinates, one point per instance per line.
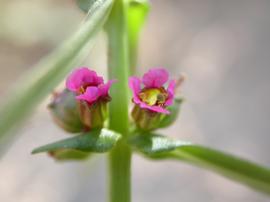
(93, 116)
(147, 120)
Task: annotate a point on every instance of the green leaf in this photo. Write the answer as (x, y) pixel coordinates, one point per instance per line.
(137, 12)
(69, 155)
(39, 82)
(153, 144)
(95, 141)
(168, 120)
(235, 168)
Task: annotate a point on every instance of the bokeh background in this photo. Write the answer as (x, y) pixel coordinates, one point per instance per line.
(223, 47)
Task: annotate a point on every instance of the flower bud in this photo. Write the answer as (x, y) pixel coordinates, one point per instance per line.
(92, 96)
(153, 99)
(65, 112)
(145, 119)
(94, 115)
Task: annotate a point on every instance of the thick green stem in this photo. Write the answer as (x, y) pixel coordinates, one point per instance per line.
(120, 157)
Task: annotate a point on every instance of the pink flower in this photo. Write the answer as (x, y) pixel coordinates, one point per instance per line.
(153, 96)
(88, 85)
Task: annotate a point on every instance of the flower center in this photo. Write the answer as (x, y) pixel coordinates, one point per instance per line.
(81, 90)
(154, 96)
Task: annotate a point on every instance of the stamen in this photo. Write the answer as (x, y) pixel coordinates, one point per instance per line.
(154, 96)
(82, 90)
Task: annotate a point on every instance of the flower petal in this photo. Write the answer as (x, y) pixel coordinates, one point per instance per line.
(82, 77)
(135, 86)
(154, 108)
(170, 91)
(104, 88)
(155, 78)
(90, 95)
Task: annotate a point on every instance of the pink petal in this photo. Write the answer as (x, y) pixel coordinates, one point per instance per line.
(90, 95)
(82, 77)
(104, 88)
(135, 86)
(137, 100)
(154, 108)
(170, 91)
(155, 78)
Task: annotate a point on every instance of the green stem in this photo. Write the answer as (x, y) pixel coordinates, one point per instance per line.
(120, 157)
(120, 172)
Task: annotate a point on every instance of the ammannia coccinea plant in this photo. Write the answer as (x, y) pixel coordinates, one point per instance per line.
(82, 108)
(103, 117)
(89, 96)
(97, 112)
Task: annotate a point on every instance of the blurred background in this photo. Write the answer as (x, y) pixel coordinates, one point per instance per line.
(223, 47)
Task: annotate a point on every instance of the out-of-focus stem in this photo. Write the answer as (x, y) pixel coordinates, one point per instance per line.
(133, 55)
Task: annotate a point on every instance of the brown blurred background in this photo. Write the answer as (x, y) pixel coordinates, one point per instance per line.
(223, 47)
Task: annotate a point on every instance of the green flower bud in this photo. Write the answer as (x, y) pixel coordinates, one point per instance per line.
(93, 115)
(65, 112)
(149, 120)
(145, 119)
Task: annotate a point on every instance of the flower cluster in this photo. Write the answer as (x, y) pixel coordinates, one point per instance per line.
(151, 97)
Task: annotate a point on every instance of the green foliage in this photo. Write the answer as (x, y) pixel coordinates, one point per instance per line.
(95, 141)
(243, 171)
(38, 83)
(153, 144)
(235, 168)
(69, 155)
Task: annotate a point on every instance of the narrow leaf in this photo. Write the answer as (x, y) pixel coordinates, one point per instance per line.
(69, 155)
(235, 168)
(32, 89)
(137, 12)
(94, 141)
(152, 144)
